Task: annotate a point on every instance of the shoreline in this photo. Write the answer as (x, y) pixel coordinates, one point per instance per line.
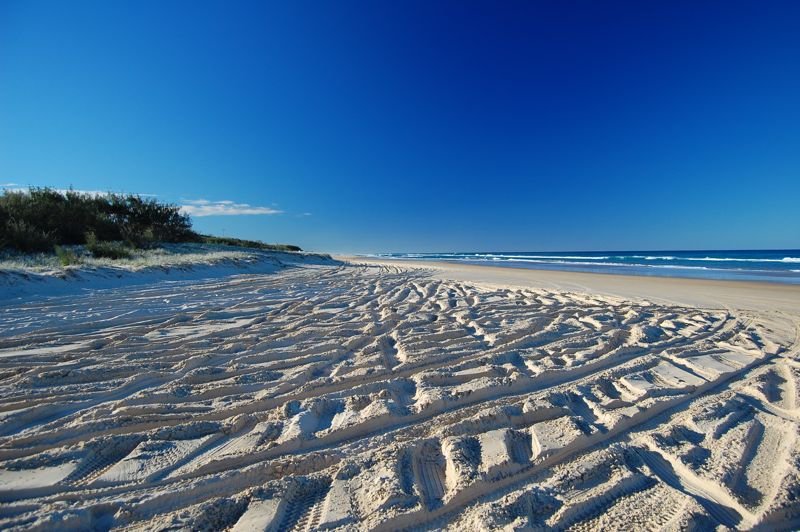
(777, 266)
(740, 295)
(394, 394)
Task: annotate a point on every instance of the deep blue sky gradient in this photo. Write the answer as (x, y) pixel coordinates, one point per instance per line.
(421, 126)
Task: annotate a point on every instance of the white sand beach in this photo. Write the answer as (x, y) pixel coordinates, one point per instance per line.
(362, 395)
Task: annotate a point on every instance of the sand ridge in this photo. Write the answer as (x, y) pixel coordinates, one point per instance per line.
(375, 396)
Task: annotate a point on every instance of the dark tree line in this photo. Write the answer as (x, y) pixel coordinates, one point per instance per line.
(40, 219)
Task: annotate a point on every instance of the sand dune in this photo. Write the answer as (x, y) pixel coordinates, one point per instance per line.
(377, 396)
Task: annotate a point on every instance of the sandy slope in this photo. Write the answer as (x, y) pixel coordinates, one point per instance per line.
(375, 396)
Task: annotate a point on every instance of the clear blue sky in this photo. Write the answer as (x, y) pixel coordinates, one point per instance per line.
(417, 125)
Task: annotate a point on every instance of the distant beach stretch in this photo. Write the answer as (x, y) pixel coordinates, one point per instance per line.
(781, 266)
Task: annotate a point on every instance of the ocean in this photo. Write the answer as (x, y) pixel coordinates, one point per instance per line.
(782, 265)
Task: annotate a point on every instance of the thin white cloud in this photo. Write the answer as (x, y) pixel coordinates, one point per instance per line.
(204, 207)
(15, 187)
(87, 192)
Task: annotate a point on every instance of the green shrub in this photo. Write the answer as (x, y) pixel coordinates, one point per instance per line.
(257, 244)
(25, 237)
(66, 257)
(40, 217)
(110, 250)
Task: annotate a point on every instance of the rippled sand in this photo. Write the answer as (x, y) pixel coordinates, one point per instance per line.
(381, 396)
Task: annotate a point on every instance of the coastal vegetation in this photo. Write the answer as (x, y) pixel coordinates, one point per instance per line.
(68, 223)
(238, 242)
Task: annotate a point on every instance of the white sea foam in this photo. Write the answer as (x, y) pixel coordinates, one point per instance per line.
(556, 257)
(623, 264)
(584, 258)
(711, 259)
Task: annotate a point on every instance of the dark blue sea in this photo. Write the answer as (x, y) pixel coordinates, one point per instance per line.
(782, 265)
